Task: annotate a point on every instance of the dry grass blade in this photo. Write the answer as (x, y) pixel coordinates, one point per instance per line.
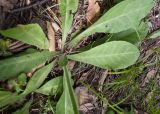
(51, 36)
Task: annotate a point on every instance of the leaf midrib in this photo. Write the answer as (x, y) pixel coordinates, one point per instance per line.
(102, 56)
(64, 34)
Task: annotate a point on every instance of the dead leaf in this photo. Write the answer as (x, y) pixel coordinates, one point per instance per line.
(151, 74)
(139, 112)
(87, 101)
(83, 96)
(51, 37)
(93, 11)
(28, 2)
(56, 27)
(71, 65)
(102, 79)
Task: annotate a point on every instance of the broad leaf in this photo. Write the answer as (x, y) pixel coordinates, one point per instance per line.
(125, 15)
(111, 55)
(131, 35)
(155, 34)
(51, 87)
(67, 9)
(22, 79)
(12, 67)
(117, 1)
(8, 98)
(38, 78)
(25, 109)
(67, 103)
(4, 45)
(31, 34)
(63, 60)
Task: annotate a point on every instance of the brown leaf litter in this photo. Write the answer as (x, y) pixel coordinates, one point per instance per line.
(93, 11)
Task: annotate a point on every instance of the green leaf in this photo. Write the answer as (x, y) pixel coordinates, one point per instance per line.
(67, 9)
(123, 16)
(22, 79)
(8, 98)
(51, 87)
(4, 45)
(31, 34)
(12, 67)
(38, 78)
(67, 103)
(131, 35)
(25, 109)
(117, 1)
(110, 111)
(111, 55)
(63, 60)
(155, 34)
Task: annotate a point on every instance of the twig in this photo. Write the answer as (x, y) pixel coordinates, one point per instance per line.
(30, 6)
